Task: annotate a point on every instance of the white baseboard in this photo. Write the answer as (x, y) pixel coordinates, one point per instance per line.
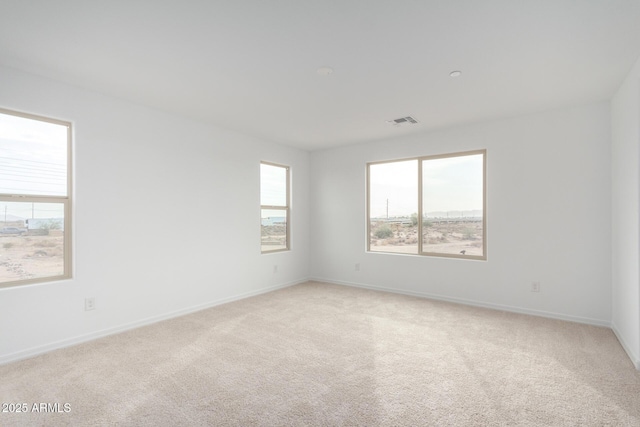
(635, 359)
(35, 351)
(512, 309)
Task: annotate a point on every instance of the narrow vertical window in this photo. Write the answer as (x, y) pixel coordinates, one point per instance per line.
(35, 199)
(274, 207)
(432, 205)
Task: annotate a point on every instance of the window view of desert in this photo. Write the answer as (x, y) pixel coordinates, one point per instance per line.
(446, 235)
(274, 235)
(447, 192)
(30, 254)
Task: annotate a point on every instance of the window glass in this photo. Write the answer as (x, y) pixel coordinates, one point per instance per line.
(393, 202)
(274, 229)
(274, 207)
(33, 157)
(34, 199)
(273, 185)
(452, 205)
(32, 240)
(447, 194)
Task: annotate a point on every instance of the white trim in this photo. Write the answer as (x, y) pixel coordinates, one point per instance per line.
(511, 309)
(35, 351)
(634, 357)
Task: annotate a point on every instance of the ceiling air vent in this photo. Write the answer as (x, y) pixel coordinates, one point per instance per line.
(403, 121)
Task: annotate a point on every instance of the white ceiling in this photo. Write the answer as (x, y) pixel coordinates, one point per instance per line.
(250, 65)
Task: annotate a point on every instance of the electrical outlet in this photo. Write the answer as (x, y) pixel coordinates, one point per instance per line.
(358, 266)
(535, 286)
(275, 269)
(89, 304)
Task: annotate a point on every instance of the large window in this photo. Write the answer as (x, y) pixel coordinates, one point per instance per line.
(35, 199)
(274, 207)
(432, 205)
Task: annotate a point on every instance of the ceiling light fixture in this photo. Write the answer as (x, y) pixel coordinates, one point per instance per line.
(324, 71)
(455, 73)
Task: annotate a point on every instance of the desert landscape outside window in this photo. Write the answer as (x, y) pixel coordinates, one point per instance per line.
(274, 207)
(393, 206)
(431, 205)
(35, 188)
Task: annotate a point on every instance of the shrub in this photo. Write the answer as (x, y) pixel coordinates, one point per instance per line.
(425, 222)
(7, 245)
(46, 244)
(383, 232)
(469, 234)
(49, 225)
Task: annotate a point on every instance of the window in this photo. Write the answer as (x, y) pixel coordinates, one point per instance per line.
(432, 205)
(35, 199)
(274, 207)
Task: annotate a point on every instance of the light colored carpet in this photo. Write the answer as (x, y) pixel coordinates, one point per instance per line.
(326, 355)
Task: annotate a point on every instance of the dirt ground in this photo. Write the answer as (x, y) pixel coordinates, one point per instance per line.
(274, 237)
(442, 238)
(31, 256)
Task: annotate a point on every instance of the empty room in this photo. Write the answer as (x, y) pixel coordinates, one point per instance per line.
(321, 213)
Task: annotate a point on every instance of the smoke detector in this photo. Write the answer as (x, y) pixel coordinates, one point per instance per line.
(403, 121)
(324, 71)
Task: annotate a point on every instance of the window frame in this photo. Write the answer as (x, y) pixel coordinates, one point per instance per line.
(286, 208)
(420, 213)
(66, 201)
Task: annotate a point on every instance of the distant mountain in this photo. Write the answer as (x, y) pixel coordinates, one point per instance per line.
(455, 214)
(10, 218)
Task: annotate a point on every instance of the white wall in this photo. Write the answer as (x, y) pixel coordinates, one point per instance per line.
(138, 170)
(166, 219)
(625, 123)
(549, 216)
